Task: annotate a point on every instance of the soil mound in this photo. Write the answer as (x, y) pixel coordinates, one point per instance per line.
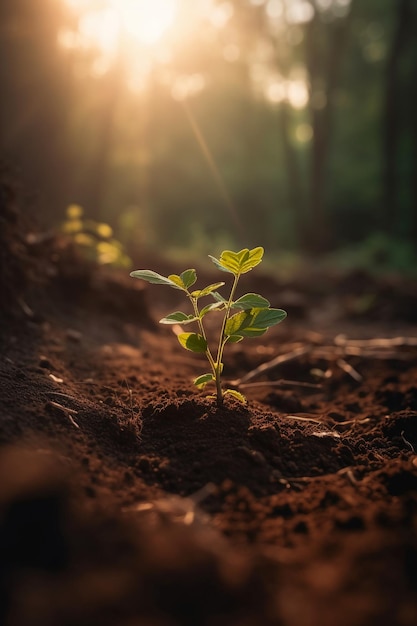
(127, 497)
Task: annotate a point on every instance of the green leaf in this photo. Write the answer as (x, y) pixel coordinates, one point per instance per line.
(177, 280)
(255, 257)
(236, 394)
(193, 342)
(188, 277)
(219, 265)
(252, 331)
(178, 318)
(155, 278)
(264, 318)
(234, 339)
(211, 307)
(251, 301)
(218, 297)
(201, 381)
(237, 322)
(234, 260)
(261, 320)
(207, 290)
(253, 323)
(239, 262)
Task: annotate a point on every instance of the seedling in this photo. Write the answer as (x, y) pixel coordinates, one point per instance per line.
(253, 318)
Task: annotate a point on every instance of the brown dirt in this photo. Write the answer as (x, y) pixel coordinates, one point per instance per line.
(127, 498)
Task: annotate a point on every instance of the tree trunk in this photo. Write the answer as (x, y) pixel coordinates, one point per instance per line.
(413, 131)
(392, 115)
(323, 75)
(294, 187)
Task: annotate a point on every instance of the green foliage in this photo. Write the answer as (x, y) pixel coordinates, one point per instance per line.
(238, 262)
(193, 342)
(94, 240)
(378, 254)
(254, 318)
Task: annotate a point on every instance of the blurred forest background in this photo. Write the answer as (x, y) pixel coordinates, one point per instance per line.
(192, 125)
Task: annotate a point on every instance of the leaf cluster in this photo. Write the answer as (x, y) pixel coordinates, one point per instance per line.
(253, 317)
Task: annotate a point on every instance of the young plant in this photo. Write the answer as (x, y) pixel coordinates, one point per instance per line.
(253, 317)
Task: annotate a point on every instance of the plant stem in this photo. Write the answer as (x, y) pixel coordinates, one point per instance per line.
(203, 333)
(222, 343)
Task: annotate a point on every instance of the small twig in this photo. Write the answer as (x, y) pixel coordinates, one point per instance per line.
(281, 383)
(348, 472)
(68, 412)
(376, 354)
(282, 358)
(330, 352)
(349, 370)
(342, 347)
(303, 419)
(130, 396)
(326, 433)
(184, 510)
(132, 412)
(63, 395)
(25, 308)
(65, 408)
(296, 479)
(202, 494)
(408, 443)
(341, 340)
(56, 379)
(365, 420)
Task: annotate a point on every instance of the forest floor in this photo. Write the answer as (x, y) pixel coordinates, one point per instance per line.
(128, 498)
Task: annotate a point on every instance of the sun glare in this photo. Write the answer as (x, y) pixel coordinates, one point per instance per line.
(145, 20)
(105, 23)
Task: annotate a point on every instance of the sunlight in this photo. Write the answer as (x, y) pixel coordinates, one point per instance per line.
(277, 89)
(297, 94)
(104, 24)
(144, 20)
(99, 29)
(304, 133)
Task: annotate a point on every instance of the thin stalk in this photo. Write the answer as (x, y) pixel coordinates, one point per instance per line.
(203, 333)
(222, 342)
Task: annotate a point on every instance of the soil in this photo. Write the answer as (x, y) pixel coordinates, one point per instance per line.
(129, 498)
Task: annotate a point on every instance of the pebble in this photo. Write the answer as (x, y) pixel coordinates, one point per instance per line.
(73, 335)
(56, 379)
(45, 362)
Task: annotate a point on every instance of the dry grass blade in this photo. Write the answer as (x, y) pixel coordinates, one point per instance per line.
(379, 348)
(281, 383)
(380, 342)
(349, 370)
(303, 419)
(282, 358)
(66, 411)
